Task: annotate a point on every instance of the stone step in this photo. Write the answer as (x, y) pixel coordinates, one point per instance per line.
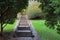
(23, 20)
(23, 28)
(22, 24)
(22, 38)
(23, 33)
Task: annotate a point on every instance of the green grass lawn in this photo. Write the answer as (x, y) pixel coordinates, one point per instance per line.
(9, 27)
(44, 32)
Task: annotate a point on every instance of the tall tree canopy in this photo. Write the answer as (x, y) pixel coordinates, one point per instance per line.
(51, 9)
(9, 9)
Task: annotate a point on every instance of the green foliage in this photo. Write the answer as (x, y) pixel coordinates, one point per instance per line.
(9, 10)
(33, 11)
(58, 29)
(52, 8)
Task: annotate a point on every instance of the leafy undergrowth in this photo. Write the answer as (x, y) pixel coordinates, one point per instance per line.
(44, 32)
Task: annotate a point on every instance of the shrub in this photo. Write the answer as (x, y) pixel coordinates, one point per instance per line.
(34, 12)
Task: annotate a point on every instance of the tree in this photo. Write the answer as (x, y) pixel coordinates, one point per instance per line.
(51, 8)
(33, 10)
(9, 9)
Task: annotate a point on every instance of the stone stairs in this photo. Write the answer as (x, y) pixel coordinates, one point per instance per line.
(23, 29)
(24, 33)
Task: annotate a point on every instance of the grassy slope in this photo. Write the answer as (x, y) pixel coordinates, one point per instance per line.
(44, 32)
(9, 27)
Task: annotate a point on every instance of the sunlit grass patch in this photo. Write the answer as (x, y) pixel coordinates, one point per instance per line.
(44, 32)
(9, 27)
